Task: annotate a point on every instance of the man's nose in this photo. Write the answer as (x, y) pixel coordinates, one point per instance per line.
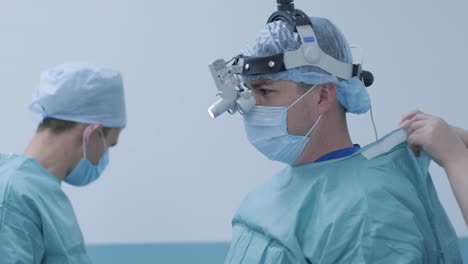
(258, 99)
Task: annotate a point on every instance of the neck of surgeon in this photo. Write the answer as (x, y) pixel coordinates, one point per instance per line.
(56, 153)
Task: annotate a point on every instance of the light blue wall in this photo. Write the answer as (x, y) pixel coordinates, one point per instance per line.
(176, 175)
(203, 253)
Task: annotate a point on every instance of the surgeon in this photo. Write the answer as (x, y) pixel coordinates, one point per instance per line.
(334, 202)
(81, 110)
(447, 146)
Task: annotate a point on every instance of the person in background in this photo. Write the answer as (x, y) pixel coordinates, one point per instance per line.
(81, 110)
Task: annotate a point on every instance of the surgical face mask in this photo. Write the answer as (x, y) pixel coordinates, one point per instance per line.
(266, 129)
(86, 172)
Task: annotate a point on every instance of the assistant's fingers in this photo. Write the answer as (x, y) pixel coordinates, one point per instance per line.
(417, 125)
(409, 116)
(419, 138)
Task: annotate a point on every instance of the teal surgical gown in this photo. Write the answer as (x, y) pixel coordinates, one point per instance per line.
(378, 205)
(37, 222)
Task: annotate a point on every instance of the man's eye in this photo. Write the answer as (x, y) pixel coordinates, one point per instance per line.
(265, 91)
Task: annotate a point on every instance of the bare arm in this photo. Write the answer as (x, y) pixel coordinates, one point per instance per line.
(462, 133)
(457, 172)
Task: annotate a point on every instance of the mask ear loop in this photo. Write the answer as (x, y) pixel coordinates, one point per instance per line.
(315, 124)
(84, 143)
(302, 96)
(360, 61)
(103, 139)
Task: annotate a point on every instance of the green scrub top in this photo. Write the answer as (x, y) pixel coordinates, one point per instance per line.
(378, 205)
(37, 221)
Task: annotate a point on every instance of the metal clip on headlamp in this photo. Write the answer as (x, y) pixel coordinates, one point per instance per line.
(235, 98)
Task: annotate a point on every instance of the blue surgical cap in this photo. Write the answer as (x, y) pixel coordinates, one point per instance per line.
(81, 93)
(278, 37)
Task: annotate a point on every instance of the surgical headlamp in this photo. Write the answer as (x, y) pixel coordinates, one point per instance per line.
(233, 96)
(227, 76)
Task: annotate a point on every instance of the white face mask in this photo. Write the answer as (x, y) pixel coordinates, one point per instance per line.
(266, 129)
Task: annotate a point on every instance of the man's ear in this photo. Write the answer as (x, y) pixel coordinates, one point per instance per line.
(327, 96)
(90, 130)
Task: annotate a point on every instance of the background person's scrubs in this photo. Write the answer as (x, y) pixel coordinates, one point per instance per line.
(37, 222)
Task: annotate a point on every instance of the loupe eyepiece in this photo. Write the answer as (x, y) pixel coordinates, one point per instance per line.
(245, 102)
